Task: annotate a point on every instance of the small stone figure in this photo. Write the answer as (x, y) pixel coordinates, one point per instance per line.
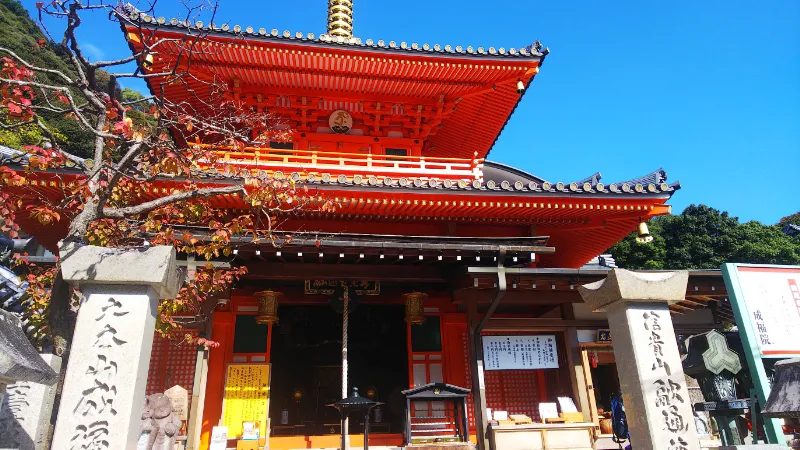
(159, 423)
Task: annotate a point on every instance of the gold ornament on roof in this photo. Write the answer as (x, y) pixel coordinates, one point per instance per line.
(340, 18)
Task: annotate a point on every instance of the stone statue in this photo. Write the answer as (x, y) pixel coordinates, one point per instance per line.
(158, 422)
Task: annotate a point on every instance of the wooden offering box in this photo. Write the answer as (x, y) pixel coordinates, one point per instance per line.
(537, 436)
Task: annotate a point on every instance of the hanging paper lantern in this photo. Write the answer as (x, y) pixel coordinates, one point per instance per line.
(415, 307)
(593, 359)
(268, 307)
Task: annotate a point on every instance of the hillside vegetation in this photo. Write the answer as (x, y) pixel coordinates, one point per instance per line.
(23, 36)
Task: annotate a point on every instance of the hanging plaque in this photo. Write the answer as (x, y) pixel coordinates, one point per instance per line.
(604, 336)
(327, 287)
(520, 352)
(246, 397)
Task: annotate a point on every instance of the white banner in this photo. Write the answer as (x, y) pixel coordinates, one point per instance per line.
(772, 296)
(520, 352)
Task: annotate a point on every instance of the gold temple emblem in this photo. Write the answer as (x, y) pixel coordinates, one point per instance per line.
(340, 121)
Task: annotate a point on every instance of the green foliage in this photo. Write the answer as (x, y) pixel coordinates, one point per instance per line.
(704, 238)
(139, 111)
(793, 218)
(26, 135)
(22, 35)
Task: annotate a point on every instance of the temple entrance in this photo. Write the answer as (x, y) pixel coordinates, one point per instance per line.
(306, 367)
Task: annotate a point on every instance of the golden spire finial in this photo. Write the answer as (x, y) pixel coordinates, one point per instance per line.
(340, 18)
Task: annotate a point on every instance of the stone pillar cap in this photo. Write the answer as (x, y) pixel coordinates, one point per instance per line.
(83, 265)
(622, 286)
(19, 361)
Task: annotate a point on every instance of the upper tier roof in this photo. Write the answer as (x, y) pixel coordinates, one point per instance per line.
(471, 92)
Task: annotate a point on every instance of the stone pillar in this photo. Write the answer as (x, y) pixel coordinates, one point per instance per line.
(26, 410)
(650, 372)
(104, 387)
(22, 369)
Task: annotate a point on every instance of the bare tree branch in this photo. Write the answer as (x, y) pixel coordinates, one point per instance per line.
(122, 213)
(30, 66)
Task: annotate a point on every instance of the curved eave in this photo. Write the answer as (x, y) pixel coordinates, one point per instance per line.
(132, 17)
(580, 225)
(510, 178)
(486, 82)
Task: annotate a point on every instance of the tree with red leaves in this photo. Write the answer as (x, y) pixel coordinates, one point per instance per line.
(137, 142)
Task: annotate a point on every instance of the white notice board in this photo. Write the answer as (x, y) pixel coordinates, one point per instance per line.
(772, 296)
(520, 352)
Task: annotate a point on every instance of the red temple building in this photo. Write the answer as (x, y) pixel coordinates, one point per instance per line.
(427, 230)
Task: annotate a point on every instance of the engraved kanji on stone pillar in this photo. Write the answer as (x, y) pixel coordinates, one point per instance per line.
(25, 412)
(26, 381)
(651, 375)
(104, 387)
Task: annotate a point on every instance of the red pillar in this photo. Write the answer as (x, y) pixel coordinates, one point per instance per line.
(222, 330)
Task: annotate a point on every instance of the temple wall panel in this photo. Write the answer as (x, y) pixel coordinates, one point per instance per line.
(172, 362)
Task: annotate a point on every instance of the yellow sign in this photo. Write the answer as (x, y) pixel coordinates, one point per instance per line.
(246, 397)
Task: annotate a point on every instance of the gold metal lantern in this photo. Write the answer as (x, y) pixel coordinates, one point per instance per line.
(268, 307)
(415, 307)
(643, 236)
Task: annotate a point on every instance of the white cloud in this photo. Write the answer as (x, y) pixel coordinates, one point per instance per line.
(92, 51)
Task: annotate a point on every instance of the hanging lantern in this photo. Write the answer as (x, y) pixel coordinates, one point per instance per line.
(268, 307)
(593, 359)
(415, 307)
(643, 236)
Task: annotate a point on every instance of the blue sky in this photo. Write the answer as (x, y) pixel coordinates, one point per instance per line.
(709, 90)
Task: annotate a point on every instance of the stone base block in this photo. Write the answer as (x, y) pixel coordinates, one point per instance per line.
(454, 446)
(754, 447)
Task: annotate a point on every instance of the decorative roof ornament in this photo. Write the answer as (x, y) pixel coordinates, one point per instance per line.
(340, 18)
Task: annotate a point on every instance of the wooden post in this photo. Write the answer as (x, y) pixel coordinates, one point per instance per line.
(222, 332)
(269, 343)
(476, 374)
(576, 373)
(588, 381)
(408, 422)
(464, 421)
(366, 430)
(194, 428)
(345, 317)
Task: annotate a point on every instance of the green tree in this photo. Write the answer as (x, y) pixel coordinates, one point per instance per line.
(23, 36)
(792, 218)
(704, 238)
